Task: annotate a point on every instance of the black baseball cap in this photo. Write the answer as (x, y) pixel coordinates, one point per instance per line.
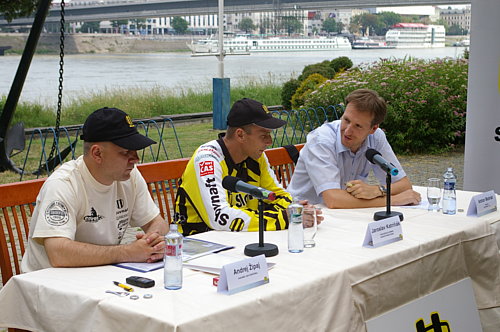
(246, 111)
(114, 125)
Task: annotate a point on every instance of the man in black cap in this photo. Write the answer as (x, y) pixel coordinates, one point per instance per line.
(203, 204)
(85, 206)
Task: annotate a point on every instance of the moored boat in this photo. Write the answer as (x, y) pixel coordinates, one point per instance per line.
(275, 44)
(415, 35)
(365, 43)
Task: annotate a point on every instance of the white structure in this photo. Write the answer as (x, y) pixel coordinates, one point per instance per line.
(415, 35)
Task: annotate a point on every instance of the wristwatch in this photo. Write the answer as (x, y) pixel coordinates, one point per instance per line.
(383, 190)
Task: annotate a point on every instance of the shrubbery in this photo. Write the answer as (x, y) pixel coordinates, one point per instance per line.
(426, 100)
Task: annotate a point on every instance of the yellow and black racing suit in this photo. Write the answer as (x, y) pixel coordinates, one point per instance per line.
(202, 203)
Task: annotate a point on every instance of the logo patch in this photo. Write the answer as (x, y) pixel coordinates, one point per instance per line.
(93, 217)
(206, 168)
(56, 214)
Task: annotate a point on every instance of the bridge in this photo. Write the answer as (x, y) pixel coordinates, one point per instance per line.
(117, 10)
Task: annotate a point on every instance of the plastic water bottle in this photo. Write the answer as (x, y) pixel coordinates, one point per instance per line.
(173, 259)
(449, 194)
(295, 228)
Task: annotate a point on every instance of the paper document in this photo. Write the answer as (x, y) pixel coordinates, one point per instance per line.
(192, 248)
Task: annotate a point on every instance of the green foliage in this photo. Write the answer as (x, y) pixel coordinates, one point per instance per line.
(330, 25)
(140, 103)
(322, 68)
(341, 63)
(179, 24)
(291, 24)
(426, 99)
(90, 27)
(305, 88)
(20, 8)
(288, 91)
(246, 24)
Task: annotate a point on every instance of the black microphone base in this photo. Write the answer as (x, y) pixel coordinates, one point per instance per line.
(268, 249)
(384, 215)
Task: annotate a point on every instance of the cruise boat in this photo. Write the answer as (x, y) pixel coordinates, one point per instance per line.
(415, 35)
(365, 44)
(243, 44)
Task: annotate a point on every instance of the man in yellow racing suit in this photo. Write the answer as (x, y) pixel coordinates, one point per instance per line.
(202, 203)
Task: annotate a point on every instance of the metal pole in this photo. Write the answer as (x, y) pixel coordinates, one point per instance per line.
(220, 57)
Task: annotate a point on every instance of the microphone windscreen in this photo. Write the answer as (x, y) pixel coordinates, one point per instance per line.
(229, 183)
(370, 153)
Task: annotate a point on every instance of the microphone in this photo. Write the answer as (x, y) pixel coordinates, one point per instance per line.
(235, 184)
(375, 157)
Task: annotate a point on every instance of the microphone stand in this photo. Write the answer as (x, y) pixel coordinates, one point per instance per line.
(261, 248)
(387, 213)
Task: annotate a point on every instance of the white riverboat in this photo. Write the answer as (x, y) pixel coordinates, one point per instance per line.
(415, 35)
(243, 44)
(367, 44)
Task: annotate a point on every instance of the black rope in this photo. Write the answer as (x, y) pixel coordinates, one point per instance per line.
(61, 71)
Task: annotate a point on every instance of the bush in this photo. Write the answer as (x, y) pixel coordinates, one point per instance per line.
(287, 92)
(426, 100)
(341, 63)
(305, 88)
(322, 68)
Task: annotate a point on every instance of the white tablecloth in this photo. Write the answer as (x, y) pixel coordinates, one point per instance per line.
(336, 286)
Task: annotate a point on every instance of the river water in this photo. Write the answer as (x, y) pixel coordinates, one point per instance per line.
(95, 73)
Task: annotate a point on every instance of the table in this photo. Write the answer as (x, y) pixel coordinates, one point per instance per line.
(336, 286)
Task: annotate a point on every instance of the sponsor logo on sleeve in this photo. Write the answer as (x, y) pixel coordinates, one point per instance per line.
(56, 214)
(206, 168)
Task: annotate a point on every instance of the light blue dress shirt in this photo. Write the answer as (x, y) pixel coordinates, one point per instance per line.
(325, 163)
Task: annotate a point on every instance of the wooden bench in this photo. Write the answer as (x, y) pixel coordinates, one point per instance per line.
(17, 201)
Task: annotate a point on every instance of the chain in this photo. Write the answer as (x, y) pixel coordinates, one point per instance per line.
(61, 71)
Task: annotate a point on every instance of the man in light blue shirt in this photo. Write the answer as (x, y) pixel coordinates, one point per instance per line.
(332, 168)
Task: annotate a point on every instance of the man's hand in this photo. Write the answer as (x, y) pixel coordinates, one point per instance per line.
(307, 219)
(359, 189)
(151, 244)
(407, 197)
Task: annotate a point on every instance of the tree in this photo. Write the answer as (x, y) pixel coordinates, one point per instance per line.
(366, 23)
(137, 24)
(265, 25)
(330, 25)
(456, 30)
(291, 24)
(90, 27)
(20, 8)
(179, 24)
(246, 24)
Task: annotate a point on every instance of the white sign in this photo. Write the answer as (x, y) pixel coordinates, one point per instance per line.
(242, 275)
(482, 204)
(381, 232)
(450, 309)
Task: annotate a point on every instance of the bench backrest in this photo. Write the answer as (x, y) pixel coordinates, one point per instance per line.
(17, 201)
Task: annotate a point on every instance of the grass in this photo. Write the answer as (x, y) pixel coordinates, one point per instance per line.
(141, 104)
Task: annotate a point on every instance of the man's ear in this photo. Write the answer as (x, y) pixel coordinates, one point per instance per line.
(239, 134)
(375, 127)
(96, 152)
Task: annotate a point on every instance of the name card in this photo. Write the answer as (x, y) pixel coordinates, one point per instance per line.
(382, 232)
(243, 275)
(482, 204)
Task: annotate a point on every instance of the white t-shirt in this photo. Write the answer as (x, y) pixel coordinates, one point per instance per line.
(74, 205)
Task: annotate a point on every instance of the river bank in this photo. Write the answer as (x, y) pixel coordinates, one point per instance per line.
(107, 43)
(83, 43)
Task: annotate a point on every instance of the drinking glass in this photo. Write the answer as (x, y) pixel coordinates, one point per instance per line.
(309, 219)
(434, 188)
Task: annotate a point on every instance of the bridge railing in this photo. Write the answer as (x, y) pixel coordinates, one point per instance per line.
(170, 144)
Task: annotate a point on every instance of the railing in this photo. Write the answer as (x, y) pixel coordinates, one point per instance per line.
(35, 159)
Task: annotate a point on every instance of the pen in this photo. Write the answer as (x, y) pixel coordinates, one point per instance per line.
(125, 287)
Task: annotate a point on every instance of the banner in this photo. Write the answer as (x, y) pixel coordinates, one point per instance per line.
(482, 140)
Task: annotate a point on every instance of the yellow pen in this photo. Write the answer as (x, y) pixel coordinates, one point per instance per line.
(125, 287)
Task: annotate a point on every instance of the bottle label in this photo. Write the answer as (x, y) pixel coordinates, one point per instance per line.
(173, 250)
(449, 186)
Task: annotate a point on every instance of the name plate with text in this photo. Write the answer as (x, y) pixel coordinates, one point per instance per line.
(243, 275)
(482, 204)
(382, 232)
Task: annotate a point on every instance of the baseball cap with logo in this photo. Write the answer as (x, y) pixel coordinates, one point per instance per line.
(246, 111)
(114, 125)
